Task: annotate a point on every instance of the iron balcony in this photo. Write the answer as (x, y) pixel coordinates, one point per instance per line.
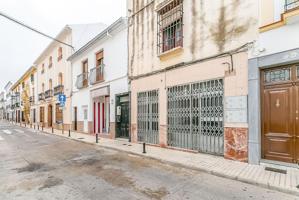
(82, 81)
(290, 5)
(31, 99)
(58, 90)
(48, 94)
(96, 75)
(41, 96)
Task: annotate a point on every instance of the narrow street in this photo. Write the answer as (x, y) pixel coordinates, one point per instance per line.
(40, 166)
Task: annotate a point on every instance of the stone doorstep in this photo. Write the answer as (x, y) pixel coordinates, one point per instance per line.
(213, 170)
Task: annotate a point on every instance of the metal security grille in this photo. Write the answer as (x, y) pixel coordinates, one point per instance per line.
(148, 117)
(195, 116)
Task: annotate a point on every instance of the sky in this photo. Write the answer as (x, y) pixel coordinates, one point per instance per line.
(20, 47)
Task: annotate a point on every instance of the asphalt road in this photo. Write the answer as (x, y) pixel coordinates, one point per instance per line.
(39, 166)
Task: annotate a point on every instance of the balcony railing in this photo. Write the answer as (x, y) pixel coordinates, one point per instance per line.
(48, 94)
(31, 100)
(82, 80)
(289, 4)
(96, 74)
(41, 96)
(58, 90)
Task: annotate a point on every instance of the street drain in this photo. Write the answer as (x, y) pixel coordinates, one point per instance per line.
(81, 138)
(272, 169)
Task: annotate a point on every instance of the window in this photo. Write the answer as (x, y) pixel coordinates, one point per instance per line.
(59, 54)
(170, 26)
(60, 79)
(50, 61)
(277, 75)
(23, 85)
(58, 114)
(32, 78)
(50, 84)
(85, 114)
(85, 73)
(100, 58)
(43, 68)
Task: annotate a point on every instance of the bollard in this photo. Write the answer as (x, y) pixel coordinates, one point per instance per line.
(37, 127)
(52, 130)
(25, 125)
(97, 138)
(42, 127)
(144, 148)
(69, 133)
(34, 126)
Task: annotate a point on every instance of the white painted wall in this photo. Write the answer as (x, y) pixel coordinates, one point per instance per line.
(278, 39)
(115, 72)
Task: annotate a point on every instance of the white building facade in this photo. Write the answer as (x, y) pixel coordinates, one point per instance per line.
(100, 100)
(274, 85)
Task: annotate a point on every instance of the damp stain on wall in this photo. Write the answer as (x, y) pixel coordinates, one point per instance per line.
(227, 27)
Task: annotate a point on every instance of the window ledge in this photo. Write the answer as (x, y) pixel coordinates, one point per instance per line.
(171, 53)
(284, 19)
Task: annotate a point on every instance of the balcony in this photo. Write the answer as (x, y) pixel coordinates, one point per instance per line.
(58, 90)
(31, 100)
(290, 5)
(48, 94)
(82, 81)
(41, 97)
(96, 75)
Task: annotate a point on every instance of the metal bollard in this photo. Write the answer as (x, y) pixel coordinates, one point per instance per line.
(42, 127)
(52, 130)
(144, 148)
(37, 127)
(34, 126)
(25, 125)
(69, 133)
(97, 138)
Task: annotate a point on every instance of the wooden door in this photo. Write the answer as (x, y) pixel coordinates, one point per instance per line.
(296, 116)
(75, 118)
(280, 114)
(50, 111)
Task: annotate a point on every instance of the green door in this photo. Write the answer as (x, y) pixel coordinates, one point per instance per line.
(122, 116)
(124, 120)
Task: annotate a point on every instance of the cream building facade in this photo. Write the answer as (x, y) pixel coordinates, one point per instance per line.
(23, 97)
(188, 71)
(54, 74)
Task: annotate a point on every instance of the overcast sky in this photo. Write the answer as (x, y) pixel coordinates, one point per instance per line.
(20, 47)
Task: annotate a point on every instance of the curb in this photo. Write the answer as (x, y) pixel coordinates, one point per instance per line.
(215, 173)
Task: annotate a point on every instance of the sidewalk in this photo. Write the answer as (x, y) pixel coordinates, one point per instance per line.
(253, 174)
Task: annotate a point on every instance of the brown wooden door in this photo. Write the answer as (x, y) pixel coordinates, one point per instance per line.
(296, 140)
(50, 111)
(280, 129)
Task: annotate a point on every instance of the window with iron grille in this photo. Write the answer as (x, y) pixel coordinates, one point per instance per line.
(170, 26)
